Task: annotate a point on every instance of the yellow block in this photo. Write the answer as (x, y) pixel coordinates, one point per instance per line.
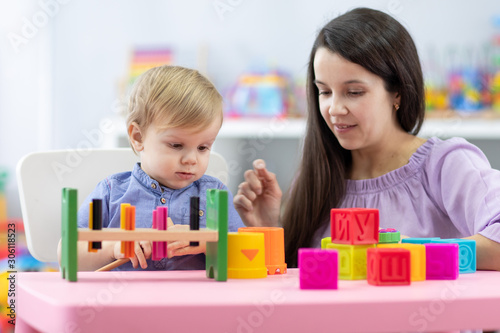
(417, 259)
(325, 241)
(352, 260)
(246, 257)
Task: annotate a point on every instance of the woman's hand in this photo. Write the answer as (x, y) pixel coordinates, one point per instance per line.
(259, 197)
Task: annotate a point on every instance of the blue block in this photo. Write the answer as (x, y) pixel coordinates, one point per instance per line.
(419, 240)
(466, 253)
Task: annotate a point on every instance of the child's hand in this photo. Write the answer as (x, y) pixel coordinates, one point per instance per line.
(142, 252)
(182, 248)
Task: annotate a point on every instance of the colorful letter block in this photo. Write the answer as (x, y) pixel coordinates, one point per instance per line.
(325, 241)
(318, 269)
(354, 225)
(388, 266)
(352, 260)
(417, 259)
(466, 253)
(441, 261)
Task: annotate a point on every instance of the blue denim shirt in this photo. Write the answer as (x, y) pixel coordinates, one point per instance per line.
(140, 190)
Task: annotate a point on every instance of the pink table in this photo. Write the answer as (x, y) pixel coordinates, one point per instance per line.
(185, 301)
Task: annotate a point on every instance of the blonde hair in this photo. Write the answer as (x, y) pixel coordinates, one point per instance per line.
(176, 97)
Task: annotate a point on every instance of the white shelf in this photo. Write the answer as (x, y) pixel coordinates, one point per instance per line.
(469, 128)
(263, 128)
(285, 128)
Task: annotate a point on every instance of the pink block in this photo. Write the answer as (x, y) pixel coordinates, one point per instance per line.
(159, 249)
(441, 261)
(318, 269)
(354, 225)
(154, 254)
(161, 223)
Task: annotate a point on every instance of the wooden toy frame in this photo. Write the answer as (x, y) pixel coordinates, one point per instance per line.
(215, 234)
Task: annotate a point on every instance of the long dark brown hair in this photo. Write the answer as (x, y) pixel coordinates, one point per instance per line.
(380, 44)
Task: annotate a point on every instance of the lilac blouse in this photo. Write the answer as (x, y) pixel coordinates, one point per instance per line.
(448, 189)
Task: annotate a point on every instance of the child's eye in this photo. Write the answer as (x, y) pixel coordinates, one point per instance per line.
(203, 148)
(175, 145)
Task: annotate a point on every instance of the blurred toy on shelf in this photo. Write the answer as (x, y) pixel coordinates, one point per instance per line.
(436, 90)
(3, 200)
(261, 93)
(13, 243)
(14, 255)
(465, 80)
(495, 91)
(299, 100)
(468, 90)
(436, 98)
(141, 59)
(147, 58)
(24, 261)
(495, 81)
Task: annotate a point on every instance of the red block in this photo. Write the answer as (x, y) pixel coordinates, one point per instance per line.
(354, 225)
(388, 267)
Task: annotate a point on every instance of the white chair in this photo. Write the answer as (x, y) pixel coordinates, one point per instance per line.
(42, 175)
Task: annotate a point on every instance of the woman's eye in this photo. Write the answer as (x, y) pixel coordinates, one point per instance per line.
(355, 93)
(324, 92)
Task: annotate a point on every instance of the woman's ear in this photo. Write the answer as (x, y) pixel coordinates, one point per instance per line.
(136, 137)
(397, 99)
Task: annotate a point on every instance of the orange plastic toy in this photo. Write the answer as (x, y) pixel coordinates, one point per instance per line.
(274, 239)
(246, 255)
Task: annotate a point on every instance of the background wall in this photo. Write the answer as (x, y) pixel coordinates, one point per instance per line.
(62, 61)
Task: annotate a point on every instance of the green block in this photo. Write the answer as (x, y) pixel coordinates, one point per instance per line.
(217, 219)
(69, 234)
(389, 237)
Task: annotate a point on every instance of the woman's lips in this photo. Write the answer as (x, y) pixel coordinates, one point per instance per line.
(343, 128)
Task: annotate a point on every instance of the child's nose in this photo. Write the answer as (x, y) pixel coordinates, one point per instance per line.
(189, 158)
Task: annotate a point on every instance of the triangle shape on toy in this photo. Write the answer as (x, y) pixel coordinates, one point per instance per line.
(250, 253)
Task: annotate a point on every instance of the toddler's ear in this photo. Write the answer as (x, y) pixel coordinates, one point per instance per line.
(136, 137)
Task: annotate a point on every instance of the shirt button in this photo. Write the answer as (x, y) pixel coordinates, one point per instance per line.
(153, 185)
(201, 213)
(163, 200)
